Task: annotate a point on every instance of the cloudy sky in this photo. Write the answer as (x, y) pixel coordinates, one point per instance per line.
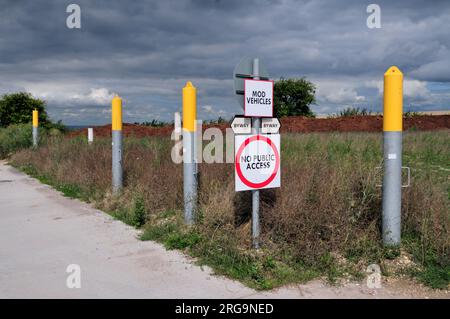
(145, 51)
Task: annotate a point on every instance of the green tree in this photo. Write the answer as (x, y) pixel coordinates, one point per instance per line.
(293, 97)
(16, 108)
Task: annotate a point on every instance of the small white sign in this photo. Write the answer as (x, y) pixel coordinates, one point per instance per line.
(241, 125)
(258, 98)
(392, 156)
(257, 161)
(270, 125)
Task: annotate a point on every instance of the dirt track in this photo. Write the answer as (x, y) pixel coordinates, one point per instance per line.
(297, 124)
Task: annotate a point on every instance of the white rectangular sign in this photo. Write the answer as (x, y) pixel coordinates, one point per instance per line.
(257, 161)
(90, 134)
(258, 98)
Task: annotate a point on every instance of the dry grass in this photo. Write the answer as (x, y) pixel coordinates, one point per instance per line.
(328, 208)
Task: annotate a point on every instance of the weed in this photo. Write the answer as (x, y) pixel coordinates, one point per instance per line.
(139, 213)
(354, 111)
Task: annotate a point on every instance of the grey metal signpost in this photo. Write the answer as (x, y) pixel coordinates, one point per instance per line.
(256, 123)
(250, 68)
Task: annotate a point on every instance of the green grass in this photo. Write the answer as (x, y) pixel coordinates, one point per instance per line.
(433, 268)
(19, 136)
(435, 276)
(13, 138)
(68, 190)
(260, 270)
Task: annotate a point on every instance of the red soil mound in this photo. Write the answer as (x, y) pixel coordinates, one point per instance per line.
(297, 124)
(361, 124)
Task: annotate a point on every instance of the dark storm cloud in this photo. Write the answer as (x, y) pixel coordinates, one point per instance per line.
(146, 50)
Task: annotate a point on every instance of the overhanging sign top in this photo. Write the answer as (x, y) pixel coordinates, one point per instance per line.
(242, 71)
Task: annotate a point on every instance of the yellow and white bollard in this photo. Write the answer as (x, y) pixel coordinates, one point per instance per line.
(35, 128)
(392, 148)
(117, 171)
(190, 178)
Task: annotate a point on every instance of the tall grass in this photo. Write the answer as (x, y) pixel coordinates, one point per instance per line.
(13, 138)
(324, 220)
(19, 136)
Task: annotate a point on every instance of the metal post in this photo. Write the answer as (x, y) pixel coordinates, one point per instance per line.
(189, 163)
(117, 172)
(392, 147)
(256, 124)
(90, 135)
(35, 128)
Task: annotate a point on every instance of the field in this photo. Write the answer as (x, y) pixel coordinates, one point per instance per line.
(323, 222)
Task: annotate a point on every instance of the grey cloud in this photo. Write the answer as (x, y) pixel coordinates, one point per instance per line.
(147, 50)
(438, 71)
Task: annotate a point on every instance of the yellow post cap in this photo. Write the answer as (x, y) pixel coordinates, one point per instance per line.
(393, 71)
(189, 107)
(116, 122)
(393, 100)
(35, 118)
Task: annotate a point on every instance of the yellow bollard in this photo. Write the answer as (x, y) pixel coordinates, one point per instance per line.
(393, 100)
(190, 176)
(116, 125)
(35, 127)
(392, 150)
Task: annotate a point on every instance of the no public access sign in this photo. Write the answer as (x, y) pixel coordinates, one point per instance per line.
(257, 161)
(258, 98)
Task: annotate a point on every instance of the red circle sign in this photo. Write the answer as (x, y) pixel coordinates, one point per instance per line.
(238, 166)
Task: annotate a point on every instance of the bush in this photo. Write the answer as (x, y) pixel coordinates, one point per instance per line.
(354, 111)
(15, 137)
(17, 108)
(293, 97)
(153, 123)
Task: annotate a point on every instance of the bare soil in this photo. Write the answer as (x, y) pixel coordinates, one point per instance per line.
(296, 124)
